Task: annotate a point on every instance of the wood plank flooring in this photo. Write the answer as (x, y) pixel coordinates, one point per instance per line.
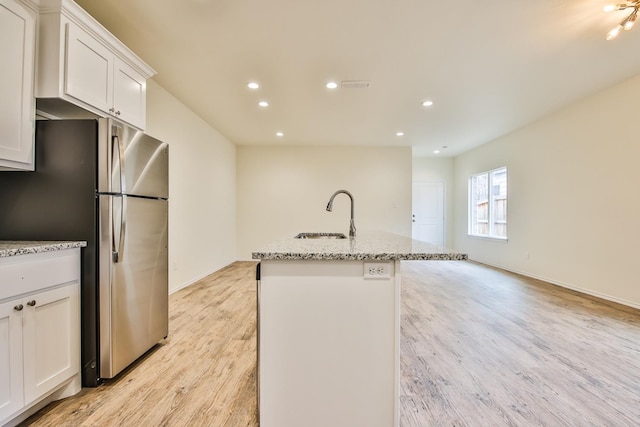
(480, 347)
(203, 374)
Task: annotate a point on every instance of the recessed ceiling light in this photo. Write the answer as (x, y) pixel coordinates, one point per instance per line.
(263, 104)
(436, 151)
(253, 85)
(279, 134)
(399, 133)
(427, 103)
(332, 85)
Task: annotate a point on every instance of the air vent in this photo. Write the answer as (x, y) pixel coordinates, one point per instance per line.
(355, 84)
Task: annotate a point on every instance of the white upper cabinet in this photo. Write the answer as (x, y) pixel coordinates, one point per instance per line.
(80, 62)
(129, 93)
(89, 76)
(17, 107)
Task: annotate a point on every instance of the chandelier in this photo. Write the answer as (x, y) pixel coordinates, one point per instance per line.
(627, 23)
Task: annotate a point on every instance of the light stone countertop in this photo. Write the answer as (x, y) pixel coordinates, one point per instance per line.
(12, 248)
(365, 246)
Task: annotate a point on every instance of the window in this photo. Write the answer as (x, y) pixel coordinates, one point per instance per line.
(488, 204)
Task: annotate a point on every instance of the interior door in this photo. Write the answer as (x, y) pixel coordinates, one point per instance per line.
(428, 212)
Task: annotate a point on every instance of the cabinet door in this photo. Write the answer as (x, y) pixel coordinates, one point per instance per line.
(17, 50)
(51, 339)
(89, 70)
(129, 94)
(11, 397)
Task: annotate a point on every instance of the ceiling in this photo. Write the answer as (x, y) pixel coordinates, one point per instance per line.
(489, 66)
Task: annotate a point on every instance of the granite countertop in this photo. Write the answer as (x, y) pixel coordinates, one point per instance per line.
(12, 248)
(365, 246)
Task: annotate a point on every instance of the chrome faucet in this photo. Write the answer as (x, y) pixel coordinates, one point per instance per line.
(352, 225)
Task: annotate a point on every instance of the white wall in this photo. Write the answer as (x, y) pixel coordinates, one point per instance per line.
(284, 190)
(574, 196)
(439, 169)
(202, 189)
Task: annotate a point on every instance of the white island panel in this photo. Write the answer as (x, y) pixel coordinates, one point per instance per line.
(329, 344)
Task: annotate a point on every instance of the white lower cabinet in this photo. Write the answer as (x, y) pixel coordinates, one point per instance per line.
(49, 341)
(39, 330)
(11, 382)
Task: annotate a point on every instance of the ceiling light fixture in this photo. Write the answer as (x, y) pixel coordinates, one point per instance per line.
(399, 133)
(628, 22)
(279, 134)
(253, 85)
(263, 104)
(332, 85)
(429, 103)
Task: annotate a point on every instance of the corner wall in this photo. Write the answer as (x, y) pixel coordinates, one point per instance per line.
(574, 196)
(283, 191)
(202, 189)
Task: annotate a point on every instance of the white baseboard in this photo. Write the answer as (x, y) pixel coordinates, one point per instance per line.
(194, 280)
(564, 285)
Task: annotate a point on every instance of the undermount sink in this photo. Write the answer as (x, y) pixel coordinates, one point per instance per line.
(320, 236)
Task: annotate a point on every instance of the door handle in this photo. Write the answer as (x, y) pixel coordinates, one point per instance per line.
(18, 307)
(31, 303)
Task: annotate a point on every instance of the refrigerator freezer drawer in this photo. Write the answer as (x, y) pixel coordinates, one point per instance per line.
(133, 279)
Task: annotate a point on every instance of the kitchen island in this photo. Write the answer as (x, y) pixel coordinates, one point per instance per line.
(329, 328)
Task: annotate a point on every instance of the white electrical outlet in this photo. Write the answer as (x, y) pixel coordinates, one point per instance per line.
(377, 270)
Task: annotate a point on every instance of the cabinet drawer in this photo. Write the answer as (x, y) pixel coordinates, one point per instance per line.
(23, 274)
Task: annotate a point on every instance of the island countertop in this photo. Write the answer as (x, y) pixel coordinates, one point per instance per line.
(12, 248)
(365, 246)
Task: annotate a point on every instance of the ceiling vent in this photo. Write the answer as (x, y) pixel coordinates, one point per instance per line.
(355, 84)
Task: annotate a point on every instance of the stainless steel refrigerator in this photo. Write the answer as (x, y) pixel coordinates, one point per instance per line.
(106, 183)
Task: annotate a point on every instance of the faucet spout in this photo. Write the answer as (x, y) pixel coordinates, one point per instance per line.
(352, 224)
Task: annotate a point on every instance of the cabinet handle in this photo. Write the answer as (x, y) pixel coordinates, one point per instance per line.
(111, 110)
(31, 303)
(117, 113)
(18, 307)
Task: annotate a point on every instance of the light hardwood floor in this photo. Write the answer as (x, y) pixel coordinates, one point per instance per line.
(480, 347)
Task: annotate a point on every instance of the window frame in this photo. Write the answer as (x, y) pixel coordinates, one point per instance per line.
(491, 198)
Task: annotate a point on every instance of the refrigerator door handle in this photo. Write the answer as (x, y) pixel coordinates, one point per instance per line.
(123, 226)
(118, 249)
(118, 253)
(117, 142)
